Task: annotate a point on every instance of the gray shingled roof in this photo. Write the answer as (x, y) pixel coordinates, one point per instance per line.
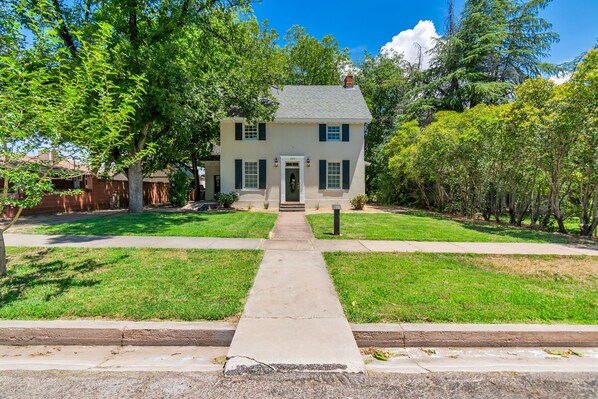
(323, 103)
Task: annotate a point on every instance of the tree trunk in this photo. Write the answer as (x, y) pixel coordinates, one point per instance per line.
(592, 228)
(486, 214)
(135, 176)
(519, 220)
(195, 176)
(511, 216)
(2, 255)
(559, 221)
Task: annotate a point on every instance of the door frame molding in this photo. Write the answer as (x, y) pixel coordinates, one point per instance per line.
(283, 167)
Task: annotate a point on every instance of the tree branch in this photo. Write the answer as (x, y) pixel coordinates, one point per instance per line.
(63, 30)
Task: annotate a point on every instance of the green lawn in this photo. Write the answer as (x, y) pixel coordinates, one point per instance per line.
(184, 224)
(131, 284)
(454, 288)
(421, 227)
(571, 223)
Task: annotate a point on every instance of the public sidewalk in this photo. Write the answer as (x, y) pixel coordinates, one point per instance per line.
(293, 236)
(41, 240)
(203, 359)
(293, 320)
(503, 248)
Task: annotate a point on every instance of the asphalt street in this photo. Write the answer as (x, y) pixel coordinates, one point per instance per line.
(54, 384)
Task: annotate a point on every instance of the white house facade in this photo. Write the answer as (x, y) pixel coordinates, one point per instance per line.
(310, 155)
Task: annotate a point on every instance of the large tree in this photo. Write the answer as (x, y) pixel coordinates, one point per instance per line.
(54, 109)
(199, 59)
(384, 81)
(310, 61)
(581, 115)
(495, 45)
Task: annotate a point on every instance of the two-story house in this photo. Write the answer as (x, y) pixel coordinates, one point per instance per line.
(311, 154)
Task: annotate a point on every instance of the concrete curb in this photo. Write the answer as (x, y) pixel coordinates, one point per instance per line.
(99, 332)
(475, 335)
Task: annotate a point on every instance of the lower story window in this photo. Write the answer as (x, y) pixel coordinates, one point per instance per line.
(334, 175)
(250, 176)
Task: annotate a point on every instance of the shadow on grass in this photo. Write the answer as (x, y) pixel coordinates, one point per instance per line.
(502, 230)
(55, 276)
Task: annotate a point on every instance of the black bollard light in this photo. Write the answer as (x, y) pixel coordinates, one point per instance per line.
(337, 219)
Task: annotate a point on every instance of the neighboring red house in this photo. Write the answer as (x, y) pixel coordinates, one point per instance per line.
(98, 194)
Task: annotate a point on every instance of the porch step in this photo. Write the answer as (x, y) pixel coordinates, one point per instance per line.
(292, 207)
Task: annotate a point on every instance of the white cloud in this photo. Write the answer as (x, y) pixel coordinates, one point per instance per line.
(349, 69)
(409, 42)
(561, 78)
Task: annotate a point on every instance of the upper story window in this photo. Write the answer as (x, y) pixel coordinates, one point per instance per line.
(250, 132)
(250, 175)
(333, 133)
(333, 180)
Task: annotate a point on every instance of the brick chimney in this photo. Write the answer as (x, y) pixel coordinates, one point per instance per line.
(348, 82)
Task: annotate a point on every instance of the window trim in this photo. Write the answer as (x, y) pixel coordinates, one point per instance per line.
(339, 133)
(257, 131)
(257, 175)
(340, 175)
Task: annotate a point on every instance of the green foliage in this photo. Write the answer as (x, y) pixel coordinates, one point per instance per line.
(536, 157)
(226, 199)
(494, 46)
(359, 201)
(312, 62)
(582, 116)
(57, 110)
(200, 60)
(179, 186)
(54, 106)
(448, 162)
(385, 84)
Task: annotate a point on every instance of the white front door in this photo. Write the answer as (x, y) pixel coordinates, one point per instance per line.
(292, 188)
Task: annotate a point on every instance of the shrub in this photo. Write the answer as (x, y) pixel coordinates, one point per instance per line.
(359, 201)
(178, 188)
(226, 199)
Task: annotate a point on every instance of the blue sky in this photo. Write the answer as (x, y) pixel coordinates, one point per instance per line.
(369, 24)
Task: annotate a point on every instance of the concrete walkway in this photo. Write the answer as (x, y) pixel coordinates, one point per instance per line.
(456, 247)
(293, 320)
(486, 360)
(295, 236)
(40, 240)
(113, 358)
(423, 360)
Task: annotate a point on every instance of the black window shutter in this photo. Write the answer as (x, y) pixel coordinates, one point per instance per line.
(262, 172)
(322, 132)
(262, 132)
(346, 175)
(238, 174)
(238, 131)
(322, 174)
(345, 132)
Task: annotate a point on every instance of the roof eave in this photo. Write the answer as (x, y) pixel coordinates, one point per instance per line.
(323, 120)
(307, 120)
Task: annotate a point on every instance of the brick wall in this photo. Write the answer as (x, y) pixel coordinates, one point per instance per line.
(104, 194)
